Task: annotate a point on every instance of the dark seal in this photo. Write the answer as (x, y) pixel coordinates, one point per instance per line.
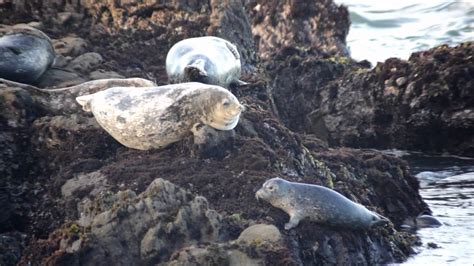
(25, 54)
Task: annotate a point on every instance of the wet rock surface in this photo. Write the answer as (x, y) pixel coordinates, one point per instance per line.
(75, 192)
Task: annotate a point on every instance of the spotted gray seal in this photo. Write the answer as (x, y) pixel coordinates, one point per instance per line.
(154, 117)
(318, 204)
(208, 59)
(25, 54)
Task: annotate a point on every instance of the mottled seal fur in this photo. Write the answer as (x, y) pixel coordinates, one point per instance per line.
(25, 54)
(209, 59)
(318, 204)
(62, 101)
(154, 117)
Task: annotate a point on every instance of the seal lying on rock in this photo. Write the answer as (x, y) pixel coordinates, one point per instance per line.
(25, 54)
(62, 100)
(318, 204)
(209, 59)
(154, 117)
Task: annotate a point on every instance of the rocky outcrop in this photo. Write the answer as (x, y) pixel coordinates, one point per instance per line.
(85, 198)
(424, 103)
(420, 104)
(310, 25)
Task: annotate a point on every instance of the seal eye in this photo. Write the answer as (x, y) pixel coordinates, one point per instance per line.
(271, 188)
(226, 103)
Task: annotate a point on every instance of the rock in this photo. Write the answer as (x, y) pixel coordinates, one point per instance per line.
(259, 233)
(152, 225)
(432, 114)
(218, 255)
(85, 62)
(91, 183)
(11, 247)
(209, 142)
(70, 46)
(318, 25)
(102, 74)
(59, 78)
(61, 61)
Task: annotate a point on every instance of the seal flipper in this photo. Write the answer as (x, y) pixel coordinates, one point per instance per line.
(238, 83)
(233, 50)
(85, 102)
(293, 222)
(195, 71)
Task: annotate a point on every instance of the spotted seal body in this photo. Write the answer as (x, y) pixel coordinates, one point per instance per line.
(25, 54)
(209, 59)
(318, 204)
(154, 117)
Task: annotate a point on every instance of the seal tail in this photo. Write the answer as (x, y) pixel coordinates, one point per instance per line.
(85, 102)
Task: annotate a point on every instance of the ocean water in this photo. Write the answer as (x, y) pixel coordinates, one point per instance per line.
(447, 185)
(382, 29)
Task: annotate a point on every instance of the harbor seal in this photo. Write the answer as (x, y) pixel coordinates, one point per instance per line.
(208, 59)
(25, 54)
(423, 220)
(154, 117)
(318, 204)
(426, 220)
(62, 101)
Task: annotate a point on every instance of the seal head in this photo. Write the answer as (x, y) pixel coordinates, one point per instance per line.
(318, 204)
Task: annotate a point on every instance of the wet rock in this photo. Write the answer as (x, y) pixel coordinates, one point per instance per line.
(259, 233)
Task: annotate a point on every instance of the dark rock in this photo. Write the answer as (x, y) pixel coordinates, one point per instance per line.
(11, 247)
(85, 62)
(312, 25)
(60, 78)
